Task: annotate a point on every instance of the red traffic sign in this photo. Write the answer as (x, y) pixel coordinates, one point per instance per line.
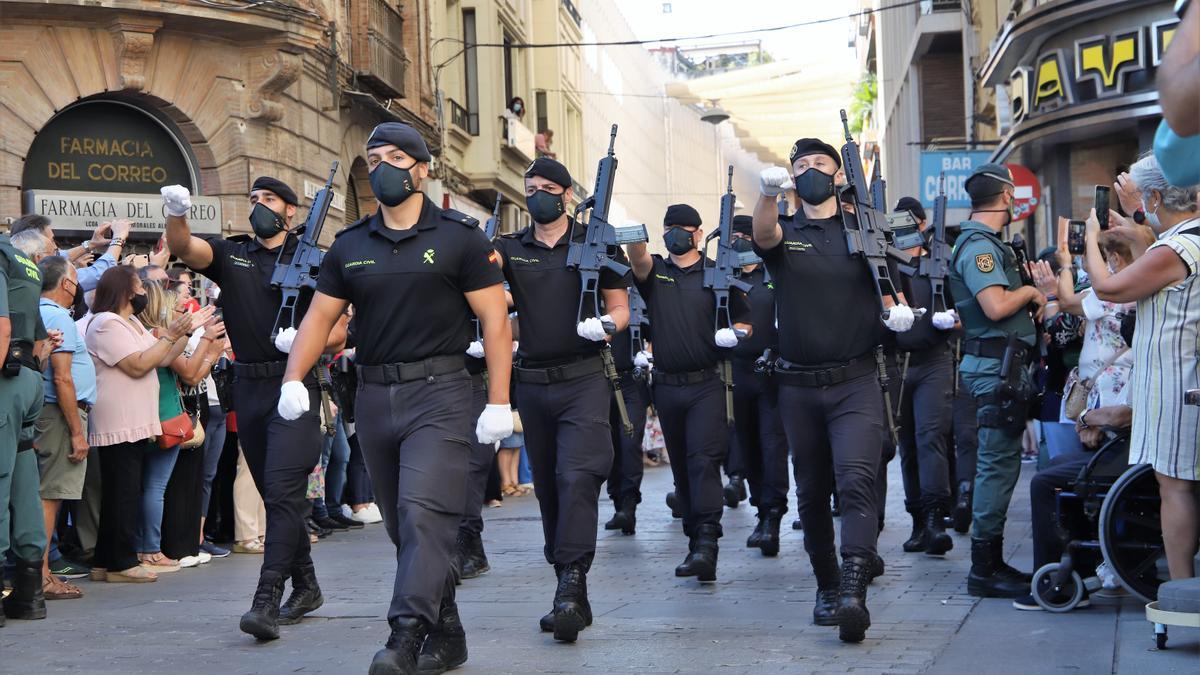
(1027, 192)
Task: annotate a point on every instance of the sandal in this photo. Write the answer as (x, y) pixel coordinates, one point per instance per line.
(509, 490)
(133, 575)
(55, 589)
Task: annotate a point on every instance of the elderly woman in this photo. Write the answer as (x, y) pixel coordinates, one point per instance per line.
(1164, 283)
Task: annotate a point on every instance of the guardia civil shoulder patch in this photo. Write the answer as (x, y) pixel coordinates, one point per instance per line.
(985, 263)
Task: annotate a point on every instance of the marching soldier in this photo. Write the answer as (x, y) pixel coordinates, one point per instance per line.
(280, 453)
(414, 273)
(829, 332)
(758, 428)
(561, 385)
(985, 281)
(625, 478)
(688, 392)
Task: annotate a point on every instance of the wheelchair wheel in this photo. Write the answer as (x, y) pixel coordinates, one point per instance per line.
(1131, 534)
(1058, 598)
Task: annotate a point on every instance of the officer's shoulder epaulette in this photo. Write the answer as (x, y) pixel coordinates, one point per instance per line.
(351, 226)
(240, 239)
(511, 235)
(460, 218)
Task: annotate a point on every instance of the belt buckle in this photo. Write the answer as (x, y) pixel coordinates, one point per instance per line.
(824, 377)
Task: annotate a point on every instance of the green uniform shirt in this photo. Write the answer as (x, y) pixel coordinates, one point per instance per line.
(982, 260)
(20, 291)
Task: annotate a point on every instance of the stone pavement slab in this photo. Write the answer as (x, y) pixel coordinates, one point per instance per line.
(756, 619)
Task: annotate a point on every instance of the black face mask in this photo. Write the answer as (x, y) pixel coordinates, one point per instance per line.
(391, 184)
(679, 241)
(139, 303)
(814, 186)
(77, 299)
(265, 222)
(544, 207)
(742, 245)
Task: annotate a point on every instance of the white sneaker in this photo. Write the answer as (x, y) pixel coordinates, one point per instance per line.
(347, 512)
(374, 509)
(205, 558)
(368, 515)
(189, 561)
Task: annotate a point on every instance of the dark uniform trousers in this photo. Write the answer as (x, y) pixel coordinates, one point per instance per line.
(625, 479)
(758, 430)
(696, 434)
(835, 429)
(569, 443)
(926, 410)
(482, 457)
(966, 433)
(280, 455)
(887, 451)
(415, 442)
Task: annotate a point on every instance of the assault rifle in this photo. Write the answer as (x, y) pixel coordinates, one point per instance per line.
(299, 276)
(489, 229)
(1022, 256)
(936, 265)
(878, 187)
(594, 254)
(722, 276)
(637, 321)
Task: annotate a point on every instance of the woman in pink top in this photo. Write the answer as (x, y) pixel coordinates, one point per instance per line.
(124, 422)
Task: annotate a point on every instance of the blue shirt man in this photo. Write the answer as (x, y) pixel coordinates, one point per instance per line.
(83, 371)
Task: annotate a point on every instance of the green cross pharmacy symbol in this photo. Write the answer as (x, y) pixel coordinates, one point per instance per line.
(428, 257)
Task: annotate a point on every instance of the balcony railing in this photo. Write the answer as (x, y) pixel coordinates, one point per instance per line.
(379, 58)
(931, 6)
(459, 117)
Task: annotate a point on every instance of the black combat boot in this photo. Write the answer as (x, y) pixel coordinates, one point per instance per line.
(937, 542)
(625, 518)
(701, 561)
(262, 621)
(770, 536)
(305, 598)
(474, 560)
(572, 611)
(446, 647)
(875, 567)
(1003, 569)
(756, 537)
(26, 601)
(985, 580)
(853, 619)
(399, 655)
(797, 524)
(546, 623)
(734, 491)
(673, 504)
(916, 541)
(829, 584)
(962, 508)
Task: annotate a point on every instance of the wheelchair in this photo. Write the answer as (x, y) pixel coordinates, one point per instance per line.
(1110, 513)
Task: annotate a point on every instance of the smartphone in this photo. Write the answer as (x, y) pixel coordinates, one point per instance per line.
(1102, 195)
(1076, 237)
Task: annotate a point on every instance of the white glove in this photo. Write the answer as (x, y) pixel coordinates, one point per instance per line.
(725, 337)
(475, 349)
(944, 320)
(495, 424)
(177, 199)
(642, 360)
(516, 346)
(284, 339)
(774, 181)
(293, 400)
(900, 318)
(593, 328)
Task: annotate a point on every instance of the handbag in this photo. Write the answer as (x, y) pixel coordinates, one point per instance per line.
(181, 429)
(1075, 395)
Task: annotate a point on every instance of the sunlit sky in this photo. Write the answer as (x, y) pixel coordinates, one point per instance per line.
(696, 17)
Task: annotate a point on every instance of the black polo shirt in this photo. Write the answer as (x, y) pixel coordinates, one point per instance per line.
(242, 267)
(919, 293)
(826, 301)
(685, 312)
(407, 286)
(762, 316)
(546, 294)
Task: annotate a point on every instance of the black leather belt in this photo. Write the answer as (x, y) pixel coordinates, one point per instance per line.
(804, 376)
(259, 371)
(396, 373)
(990, 348)
(573, 370)
(920, 357)
(685, 379)
(84, 406)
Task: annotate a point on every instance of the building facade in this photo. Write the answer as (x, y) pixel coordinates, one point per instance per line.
(103, 105)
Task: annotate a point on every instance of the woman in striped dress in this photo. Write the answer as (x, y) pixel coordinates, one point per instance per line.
(1165, 284)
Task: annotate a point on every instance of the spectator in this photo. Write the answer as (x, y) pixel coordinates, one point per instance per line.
(181, 280)
(88, 276)
(517, 107)
(162, 308)
(152, 272)
(1177, 143)
(33, 244)
(1164, 284)
(542, 142)
(125, 420)
(214, 439)
(1064, 341)
(70, 391)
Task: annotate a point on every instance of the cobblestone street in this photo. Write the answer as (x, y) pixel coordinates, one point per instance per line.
(755, 619)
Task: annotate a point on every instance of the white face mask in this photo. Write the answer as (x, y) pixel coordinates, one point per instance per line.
(1151, 216)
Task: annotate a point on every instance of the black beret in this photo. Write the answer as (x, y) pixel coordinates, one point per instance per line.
(813, 146)
(987, 180)
(550, 170)
(278, 187)
(743, 224)
(681, 214)
(402, 136)
(911, 205)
